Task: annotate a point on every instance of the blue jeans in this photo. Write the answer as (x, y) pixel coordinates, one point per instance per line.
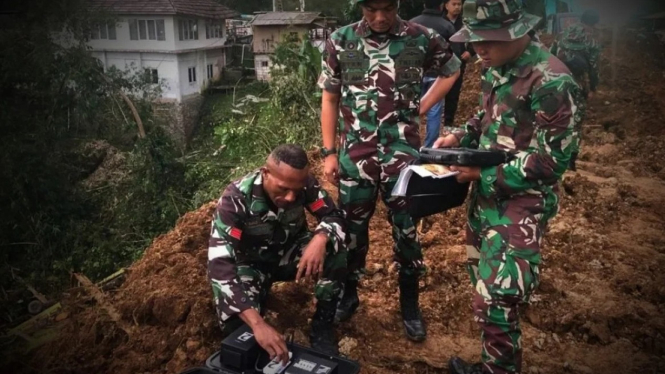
(433, 115)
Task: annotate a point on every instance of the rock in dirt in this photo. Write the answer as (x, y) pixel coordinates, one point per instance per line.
(346, 345)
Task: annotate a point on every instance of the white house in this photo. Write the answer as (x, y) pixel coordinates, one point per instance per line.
(270, 28)
(178, 42)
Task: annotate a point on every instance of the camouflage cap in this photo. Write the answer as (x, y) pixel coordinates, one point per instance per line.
(494, 20)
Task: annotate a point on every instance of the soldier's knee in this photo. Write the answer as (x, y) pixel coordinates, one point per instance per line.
(495, 311)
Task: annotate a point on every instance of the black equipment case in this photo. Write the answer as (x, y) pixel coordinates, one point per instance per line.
(241, 354)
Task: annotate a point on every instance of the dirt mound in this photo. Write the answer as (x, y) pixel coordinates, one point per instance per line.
(599, 308)
(165, 308)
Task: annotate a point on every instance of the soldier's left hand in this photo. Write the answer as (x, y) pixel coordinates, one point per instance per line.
(466, 173)
(311, 263)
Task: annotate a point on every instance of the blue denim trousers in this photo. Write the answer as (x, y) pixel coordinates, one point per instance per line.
(433, 115)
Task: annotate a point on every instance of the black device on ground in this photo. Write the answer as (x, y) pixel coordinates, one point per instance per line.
(240, 349)
(464, 156)
(241, 354)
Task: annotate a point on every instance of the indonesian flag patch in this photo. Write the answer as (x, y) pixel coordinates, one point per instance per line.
(318, 204)
(235, 233)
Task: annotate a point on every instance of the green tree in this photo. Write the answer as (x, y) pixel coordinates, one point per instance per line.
(58, 103)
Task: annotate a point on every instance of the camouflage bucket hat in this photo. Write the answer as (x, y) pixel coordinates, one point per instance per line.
(494, 20)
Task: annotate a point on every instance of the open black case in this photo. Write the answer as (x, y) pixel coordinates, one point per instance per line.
(241, 354)
(427, 196)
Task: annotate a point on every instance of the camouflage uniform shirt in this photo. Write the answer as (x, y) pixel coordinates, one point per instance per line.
(379, 79)
(246, 229)
(528, 109)
(576, 40)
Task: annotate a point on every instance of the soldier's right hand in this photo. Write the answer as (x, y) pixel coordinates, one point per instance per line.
(271, 341)
(331, 169)
(448, 141)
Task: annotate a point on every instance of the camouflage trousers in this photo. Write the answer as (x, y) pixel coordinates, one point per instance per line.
(257, 278)
(503, 247)
(581, 112)
(358, 198)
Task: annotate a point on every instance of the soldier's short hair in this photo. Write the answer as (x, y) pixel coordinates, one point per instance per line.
(433, 4)
(291, 154)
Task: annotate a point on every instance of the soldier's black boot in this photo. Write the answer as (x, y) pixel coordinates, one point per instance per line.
(322, 332)
(571, 163)
(408, 301)
(349, 303)
(458, 366)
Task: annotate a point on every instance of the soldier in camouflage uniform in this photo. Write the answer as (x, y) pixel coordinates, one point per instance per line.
(372, 73)
(578, 48)
(260, 236)
(528, 104)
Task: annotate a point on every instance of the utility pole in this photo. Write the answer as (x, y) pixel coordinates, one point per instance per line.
(277, 6)
(302, 5)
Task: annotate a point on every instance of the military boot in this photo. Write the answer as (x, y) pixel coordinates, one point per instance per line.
(408, 301)
(571, 163)
(458, 366)
(322, 332)
(349, 303)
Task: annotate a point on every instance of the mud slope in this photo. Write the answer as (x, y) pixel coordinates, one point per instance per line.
(599, 309)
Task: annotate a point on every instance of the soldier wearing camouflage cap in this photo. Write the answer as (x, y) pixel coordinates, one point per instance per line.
(259, 236)
(578, 48)
(529, 103)
(372, 75)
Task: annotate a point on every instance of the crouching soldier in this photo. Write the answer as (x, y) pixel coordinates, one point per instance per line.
(260, 236)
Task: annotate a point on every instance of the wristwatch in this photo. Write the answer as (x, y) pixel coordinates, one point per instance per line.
(325, 152)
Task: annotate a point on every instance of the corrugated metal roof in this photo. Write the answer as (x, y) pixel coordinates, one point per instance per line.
(198, 8)
(285, 18)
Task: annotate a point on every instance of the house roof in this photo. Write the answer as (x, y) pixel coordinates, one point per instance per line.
(286, 18)
(197, 8)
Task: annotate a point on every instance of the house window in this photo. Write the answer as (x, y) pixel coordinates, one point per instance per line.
(103, 30)
(264, 64)
(214, 30)
(151, 76)
(192, 74)
(147, 29)
(210, 71)
(188, 29)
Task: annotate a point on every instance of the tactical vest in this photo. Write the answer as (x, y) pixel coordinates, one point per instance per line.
(408, 62)
(260, 233)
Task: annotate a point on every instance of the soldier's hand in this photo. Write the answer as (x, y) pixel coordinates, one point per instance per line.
(311, 263)
(466, 173)
(448, 141)
(590, 95)
(271, 341)
(331, 169)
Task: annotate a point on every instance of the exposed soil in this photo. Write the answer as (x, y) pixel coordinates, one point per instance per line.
(599, 308)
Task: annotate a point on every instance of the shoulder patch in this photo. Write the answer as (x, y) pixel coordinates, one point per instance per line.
(318, 204)
(235, 233)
